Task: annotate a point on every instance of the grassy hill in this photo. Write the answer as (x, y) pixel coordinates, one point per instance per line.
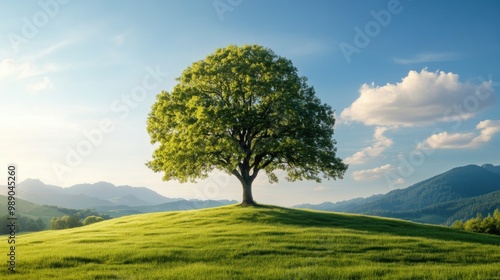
(268, 242)
(31, 210)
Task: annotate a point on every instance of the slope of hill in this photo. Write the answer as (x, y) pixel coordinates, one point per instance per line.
(448, 212)
(31, 210)
(234, 242)
(492, 168)
(460, 182)
(435, 200)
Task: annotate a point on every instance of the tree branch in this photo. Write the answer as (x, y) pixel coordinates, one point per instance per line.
(269, 161)
(237, 174)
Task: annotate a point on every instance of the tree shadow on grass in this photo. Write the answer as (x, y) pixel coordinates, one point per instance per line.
(310, 218)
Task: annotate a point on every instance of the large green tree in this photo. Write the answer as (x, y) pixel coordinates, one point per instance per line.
(243, 110)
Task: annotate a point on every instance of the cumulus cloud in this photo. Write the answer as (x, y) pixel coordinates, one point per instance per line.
(371, 174)
(39, 86)
(380, 144)
(485, 131)
(419, 99)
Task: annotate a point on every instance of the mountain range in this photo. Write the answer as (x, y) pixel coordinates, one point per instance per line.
(107, 198)
(457, 194)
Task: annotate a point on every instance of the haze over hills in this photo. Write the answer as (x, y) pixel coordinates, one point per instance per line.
(115, 200)
(456, 194)
(36, 191)
(32, 210)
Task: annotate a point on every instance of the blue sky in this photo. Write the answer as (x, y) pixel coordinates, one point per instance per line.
(413, 84)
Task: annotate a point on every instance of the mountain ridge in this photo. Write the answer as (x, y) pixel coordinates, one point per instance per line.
(104, 195)
(429, 200)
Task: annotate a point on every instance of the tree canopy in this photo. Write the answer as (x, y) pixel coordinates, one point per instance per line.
(242, 110)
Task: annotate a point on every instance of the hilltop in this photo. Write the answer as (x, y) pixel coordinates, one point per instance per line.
(234, 242)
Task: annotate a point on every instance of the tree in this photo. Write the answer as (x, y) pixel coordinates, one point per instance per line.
(65, 222)
(496, 216)
(458, 224)
(242, 110)
(474, 224)
(488, 225)
(92, 219)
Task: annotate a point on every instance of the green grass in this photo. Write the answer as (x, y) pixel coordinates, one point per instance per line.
(267, 242)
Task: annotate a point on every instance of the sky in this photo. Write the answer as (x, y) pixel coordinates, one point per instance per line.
(413, 84)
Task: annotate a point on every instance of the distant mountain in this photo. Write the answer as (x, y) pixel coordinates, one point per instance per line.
(460, 182)
(37, 192)
(456, 194)
(128, 200)
(107, 198)
(342, 206)
(448, 212)
(126, 195)
(31, 210)
(118, 211)
(492, 168)
(88, 195)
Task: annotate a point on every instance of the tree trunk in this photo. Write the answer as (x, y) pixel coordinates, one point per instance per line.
(247, 193)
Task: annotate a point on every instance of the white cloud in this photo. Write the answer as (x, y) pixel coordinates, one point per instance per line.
(380, 144)
(444, 140)
(9, 67)
(419, 99)
(371, 174)
(27, 70)
(398, 182)
(428, 57)
(39, 86)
